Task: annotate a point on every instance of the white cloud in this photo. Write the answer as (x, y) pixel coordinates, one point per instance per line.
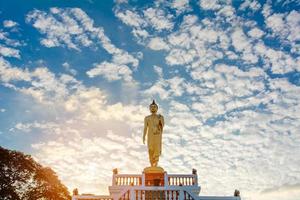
(43, 86)
(180, 5)
(131, 18)
(252, 4)
(293, 22)
(9, 23)
(224, 89)
(125, 58)
(158, 89)
(285, 25)
(227, 11)
(166, 88)
(193, 42)
(256, 33)
(158, 19)
(181, 40)
(288, 192)
(8, 47)
(239, 40)
(69, 69)
(112, 72)
(182, 113)
(121, 1)
(9, 73)
(157, 44)
(148, 22)
(180, 57)
(140, 33)
(243, 44)
(9, 52)
(210, 4)
(65, 32)
(267, 10)
(159, 71)
(135, 20)
(278, 61)
(276, 22)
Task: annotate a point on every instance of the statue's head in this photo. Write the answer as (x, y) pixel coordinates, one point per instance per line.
(153, 107)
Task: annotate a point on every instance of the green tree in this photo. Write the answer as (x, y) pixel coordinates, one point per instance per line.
(23, 178)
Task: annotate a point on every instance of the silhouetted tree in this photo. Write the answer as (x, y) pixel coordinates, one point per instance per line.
(23, 178)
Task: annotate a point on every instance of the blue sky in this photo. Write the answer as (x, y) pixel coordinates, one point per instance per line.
(76, 79)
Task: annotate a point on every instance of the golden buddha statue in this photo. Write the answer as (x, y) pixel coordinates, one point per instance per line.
(153, 129)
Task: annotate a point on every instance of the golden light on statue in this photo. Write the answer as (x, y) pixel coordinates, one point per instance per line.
(153, 129)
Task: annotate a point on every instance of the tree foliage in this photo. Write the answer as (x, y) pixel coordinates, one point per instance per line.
(23, 178)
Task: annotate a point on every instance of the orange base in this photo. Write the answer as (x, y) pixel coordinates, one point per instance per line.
(154, 179)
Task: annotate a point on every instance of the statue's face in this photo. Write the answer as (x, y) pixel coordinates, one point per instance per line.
(153, 108)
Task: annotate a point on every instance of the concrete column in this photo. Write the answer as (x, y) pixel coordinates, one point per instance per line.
(181, 195)
(113, 180)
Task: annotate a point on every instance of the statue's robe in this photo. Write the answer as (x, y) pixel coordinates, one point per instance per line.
(154, 124)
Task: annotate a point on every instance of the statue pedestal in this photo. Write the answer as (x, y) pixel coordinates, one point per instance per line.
(154, 176)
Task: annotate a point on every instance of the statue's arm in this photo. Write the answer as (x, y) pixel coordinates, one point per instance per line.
(162, 122)
(145, 129)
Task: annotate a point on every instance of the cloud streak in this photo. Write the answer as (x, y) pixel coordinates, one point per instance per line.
(74, 29)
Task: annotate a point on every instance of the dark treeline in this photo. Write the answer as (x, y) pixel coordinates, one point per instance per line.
(22, 178)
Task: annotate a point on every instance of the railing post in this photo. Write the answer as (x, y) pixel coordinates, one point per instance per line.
(166, 179)
(194, 172)
(132, 194)
(115, 172)
(143, 179)
(143, 193)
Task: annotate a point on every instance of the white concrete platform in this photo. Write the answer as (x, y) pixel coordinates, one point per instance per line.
(172, 187)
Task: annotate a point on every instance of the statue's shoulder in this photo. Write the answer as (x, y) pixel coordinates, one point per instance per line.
(147, 117)
(160, 116)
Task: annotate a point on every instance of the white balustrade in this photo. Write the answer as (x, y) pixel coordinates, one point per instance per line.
(170, 180)
(182, 179)
(127, 179)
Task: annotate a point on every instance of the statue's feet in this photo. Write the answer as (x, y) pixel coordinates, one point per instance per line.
(154, 169)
